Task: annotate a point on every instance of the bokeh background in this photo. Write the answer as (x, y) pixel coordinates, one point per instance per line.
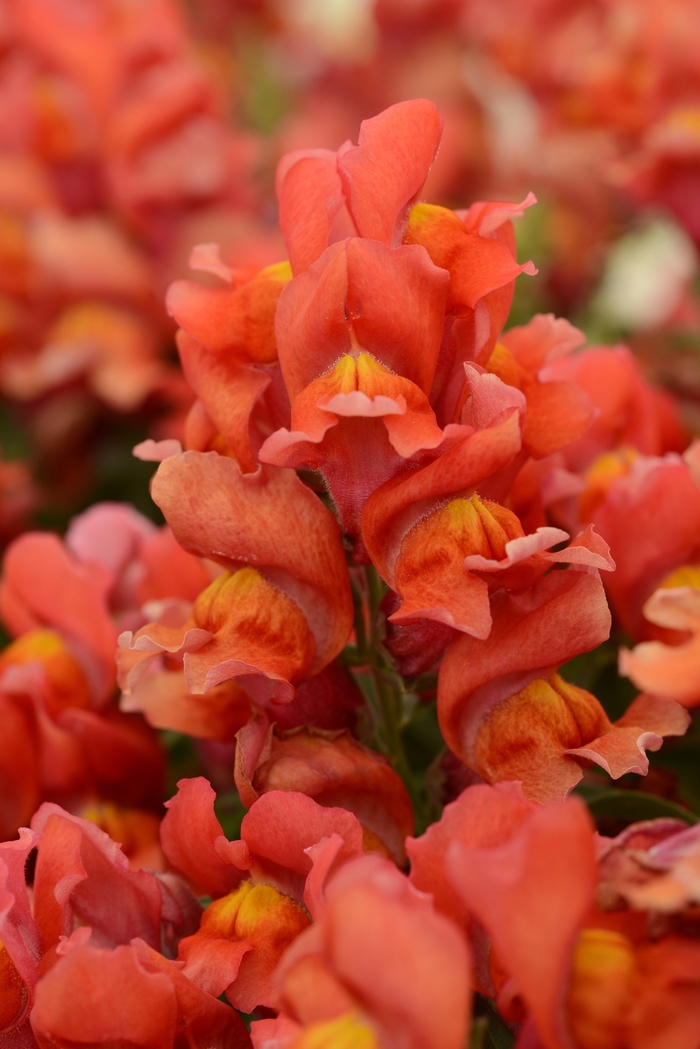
(131, 130)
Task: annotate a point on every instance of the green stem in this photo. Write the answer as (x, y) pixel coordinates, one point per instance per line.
(384, 689)
(390, 713)
(388, 686)
(360, 631)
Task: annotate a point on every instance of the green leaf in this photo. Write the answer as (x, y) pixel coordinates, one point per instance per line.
(588, 790)
(681, 757)
(498, 1035)
(488, 1029)
(478, 1034)
(632, 806)
(183, 759)
(422, 737)
(230, 810)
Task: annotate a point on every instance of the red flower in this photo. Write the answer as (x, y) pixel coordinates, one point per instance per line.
(229, 357)
(84, 897)
(137, 997)
(362, 326)
(671, 670)
(650, 516)
(630, 411)
(446, 558)
(535, 882)
(481, 817)
(358, 337)
(556, 412)
(379, 968)
(265, 885)
(584, 950)
(333, 769)
(505, 712)
(364, 190)
(283, 609)
(43, 585)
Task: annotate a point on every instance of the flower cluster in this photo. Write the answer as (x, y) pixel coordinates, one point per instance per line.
(114, 156)
(391, 528)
